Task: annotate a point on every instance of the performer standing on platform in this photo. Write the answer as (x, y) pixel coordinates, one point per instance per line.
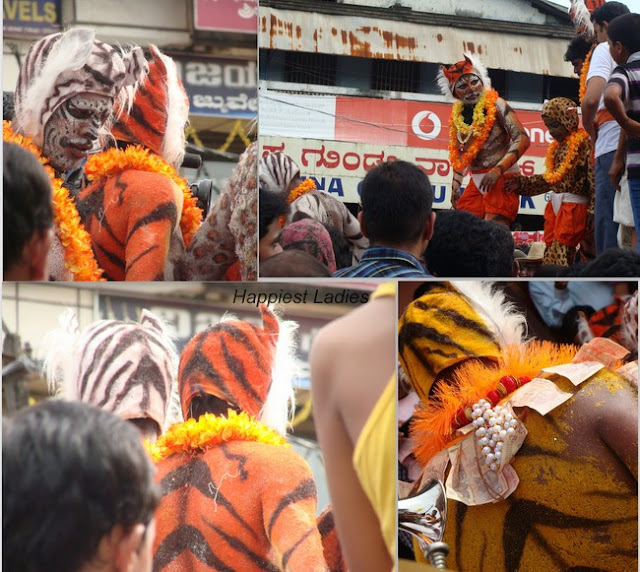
(486, 140)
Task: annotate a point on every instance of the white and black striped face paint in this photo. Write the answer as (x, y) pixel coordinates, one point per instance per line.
(72, 131)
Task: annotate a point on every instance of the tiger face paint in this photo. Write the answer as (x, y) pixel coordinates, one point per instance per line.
(468, 89)
(72, 131)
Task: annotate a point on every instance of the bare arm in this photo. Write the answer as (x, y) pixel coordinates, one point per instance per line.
(590, 102)
(455, 188)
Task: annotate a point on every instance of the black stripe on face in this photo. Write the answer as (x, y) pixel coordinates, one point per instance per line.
(237, 368)
(137, 114)
(289, 553)
(97, 356)
(187, 538)
(196, 474)
(164, 211)
(242, 338)
(305, 490)
(99, 77)
(241, 547)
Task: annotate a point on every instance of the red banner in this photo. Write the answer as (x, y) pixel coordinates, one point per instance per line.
(414, 124)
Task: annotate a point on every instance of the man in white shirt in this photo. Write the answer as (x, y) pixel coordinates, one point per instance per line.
(601, 126)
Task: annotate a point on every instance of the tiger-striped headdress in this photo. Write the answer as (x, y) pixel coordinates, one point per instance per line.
(449, 75)
(450, 324)
(127, 368)
(159, 113)
(244, 365)
(276, 171)
(63, 65)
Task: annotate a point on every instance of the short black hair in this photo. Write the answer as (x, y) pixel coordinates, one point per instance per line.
(464, 245)
(614, 262)
(70, 473)
(608, 11)
(271, 205)
(578, 48)
(626, 30)
(396, 199)
(26, 200)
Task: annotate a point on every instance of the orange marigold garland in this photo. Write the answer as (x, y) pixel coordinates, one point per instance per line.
(113, 161)
(212, 430)
(484, 116)
(306, 186)
(78, 255)
(583, 74)
(556, 173)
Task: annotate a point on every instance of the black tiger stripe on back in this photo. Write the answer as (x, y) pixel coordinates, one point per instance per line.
(149, 99)
(289, 553)
(236, 367)
(187, 538)
(137, 114)
(242, 461)
(164, 211)
(305, 490)
(140, 256)
(241, 547)
(197, 474)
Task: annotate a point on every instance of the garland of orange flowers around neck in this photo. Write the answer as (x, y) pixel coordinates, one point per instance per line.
(113, 161)
(75, 240)
(484, 116)
(556, 173)
(212, 430)
(584, 70)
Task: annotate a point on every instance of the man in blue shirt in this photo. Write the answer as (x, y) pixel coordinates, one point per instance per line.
(396, 216)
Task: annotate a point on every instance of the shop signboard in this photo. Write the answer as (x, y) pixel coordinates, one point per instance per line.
(220, 87)
(338, 167)
(31, 18)
(226, 15)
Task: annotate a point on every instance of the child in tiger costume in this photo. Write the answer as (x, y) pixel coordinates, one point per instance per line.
(571, 501)
(486, 139)
(67, 87)
(235, 496)
(569, 177)
(127, 368)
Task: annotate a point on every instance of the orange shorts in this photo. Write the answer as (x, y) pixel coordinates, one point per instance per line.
(567, 226)
(496, 202)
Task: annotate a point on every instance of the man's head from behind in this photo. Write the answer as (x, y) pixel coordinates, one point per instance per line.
(77, 491)
(464, 245)
(396, 199)
(577, 51)
(602, 16)
(28, 214)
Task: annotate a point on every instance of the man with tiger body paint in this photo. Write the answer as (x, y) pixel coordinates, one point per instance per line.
(235, 496)
(575, 506)
(486, 140)
(139, 211)
(67, 87)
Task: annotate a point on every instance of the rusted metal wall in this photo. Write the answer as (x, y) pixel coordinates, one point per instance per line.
(391, 39)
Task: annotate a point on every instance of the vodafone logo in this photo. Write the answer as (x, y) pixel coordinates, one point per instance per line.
(426, 119)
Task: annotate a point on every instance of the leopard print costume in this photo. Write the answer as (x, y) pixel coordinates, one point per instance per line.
(579, 180)
(228, 234)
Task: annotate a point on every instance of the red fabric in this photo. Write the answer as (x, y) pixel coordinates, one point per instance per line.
(457, 70)
(567, 226)
(496, 202)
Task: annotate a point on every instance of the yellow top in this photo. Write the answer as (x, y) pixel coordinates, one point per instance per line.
(374, 460)
(386, 289)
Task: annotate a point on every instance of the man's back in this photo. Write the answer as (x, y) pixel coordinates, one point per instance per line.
(576, 505)
(240, 505)
(381, 262)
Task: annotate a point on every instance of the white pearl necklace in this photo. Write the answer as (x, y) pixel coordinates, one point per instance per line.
(493, 427)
